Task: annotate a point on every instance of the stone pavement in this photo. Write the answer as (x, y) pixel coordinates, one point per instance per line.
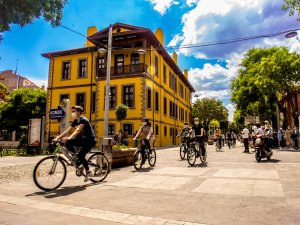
(230, 189)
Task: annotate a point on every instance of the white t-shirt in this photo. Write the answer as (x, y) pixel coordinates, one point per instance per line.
(254, 128)
(245, 133)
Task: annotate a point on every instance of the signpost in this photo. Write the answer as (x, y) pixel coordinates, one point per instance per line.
(57, 114)
(61, 114)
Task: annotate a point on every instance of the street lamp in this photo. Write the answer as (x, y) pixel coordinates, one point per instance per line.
(291, 34)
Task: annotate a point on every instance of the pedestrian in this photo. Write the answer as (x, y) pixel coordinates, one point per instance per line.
(295, 136)
(281, 136)
(223, 139)
(288, 137)
(245, 136)
(254, 131)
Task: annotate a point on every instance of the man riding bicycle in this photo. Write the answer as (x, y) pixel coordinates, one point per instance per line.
(199, 132)
(147, 132)
(83, 136)
(184, 132)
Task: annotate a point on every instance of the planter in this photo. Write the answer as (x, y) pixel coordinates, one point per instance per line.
(122, 157)
(210, 142)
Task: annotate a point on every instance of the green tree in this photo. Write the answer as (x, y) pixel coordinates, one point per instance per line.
(292, 6)
(266, 76)
(214, 123)
(21, 105)
(3, 92)
(208, 109)
(24, 12)
(121, 112)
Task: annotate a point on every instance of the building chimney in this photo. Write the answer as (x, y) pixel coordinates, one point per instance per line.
(175, 57)
(160, 36)
(90, 31)
(186, 74)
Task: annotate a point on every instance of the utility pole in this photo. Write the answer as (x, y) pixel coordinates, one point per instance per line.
(107, 89)
(16, 71)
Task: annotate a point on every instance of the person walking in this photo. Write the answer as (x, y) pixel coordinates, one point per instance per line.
(295, 136)
(288, 137)
(281, 136)
(245, 136)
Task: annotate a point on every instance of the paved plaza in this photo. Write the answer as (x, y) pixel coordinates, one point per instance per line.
(230, 189)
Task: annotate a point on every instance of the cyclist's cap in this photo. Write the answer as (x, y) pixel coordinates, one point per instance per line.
(186, 123)
(196, 119)
(145, 119)
(78, 108)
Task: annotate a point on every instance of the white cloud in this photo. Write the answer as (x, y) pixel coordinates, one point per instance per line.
(231, 110)
(38, 82)
(229, 20)
(161, 6)
(191, 2)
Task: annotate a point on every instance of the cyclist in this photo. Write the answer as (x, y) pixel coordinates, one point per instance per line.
(184, 132)
(147, 132)
(83, 136)
(229, 139)
(218, 135)
(198, 130)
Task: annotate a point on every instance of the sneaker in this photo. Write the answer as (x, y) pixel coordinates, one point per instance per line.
(88, 176)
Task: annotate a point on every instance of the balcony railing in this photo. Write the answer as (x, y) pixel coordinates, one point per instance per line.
(123, 70)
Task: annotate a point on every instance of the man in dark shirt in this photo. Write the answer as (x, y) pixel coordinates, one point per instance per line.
(199, 132)
(83, 136)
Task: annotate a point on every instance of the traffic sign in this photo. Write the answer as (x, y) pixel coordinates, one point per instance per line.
(57, 114)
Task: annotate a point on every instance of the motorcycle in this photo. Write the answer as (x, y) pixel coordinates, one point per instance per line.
(261, 148)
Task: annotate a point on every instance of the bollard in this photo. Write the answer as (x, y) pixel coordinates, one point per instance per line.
(107, 149)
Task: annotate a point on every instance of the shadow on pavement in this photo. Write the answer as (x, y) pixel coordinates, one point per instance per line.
(143, 170)
(200, 165)
(64, 191)
(270, 161)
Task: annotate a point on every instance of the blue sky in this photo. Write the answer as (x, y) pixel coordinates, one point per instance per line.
(183, 22)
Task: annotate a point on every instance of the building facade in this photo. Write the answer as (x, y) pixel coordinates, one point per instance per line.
(13, 81)
(150, 84)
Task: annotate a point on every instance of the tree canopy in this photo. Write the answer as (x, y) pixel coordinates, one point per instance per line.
(25, 12)
(3, 92)
(208, 109)
(21, 105)
(265, 77)
(292, 6)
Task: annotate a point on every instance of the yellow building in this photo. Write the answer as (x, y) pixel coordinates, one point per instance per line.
(150, 84)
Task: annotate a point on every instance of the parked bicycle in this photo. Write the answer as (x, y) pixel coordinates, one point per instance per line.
(50, 172)
(196, 151)
(150, 155)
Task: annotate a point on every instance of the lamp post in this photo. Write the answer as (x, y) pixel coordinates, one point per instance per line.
(107, 87)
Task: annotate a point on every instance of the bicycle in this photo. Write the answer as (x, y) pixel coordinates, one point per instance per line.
(183, 148)
(196, 150)
(51, 171)
(150, 155)
(218, 145)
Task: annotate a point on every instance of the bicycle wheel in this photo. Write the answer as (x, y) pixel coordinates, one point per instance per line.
(99, 166)
(203, 157)
(191, 156)
(49, 173)
(137, 160)
(182, 151)
(152, 157)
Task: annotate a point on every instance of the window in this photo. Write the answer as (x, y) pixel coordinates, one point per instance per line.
(80, 100)
(128, 127)
(134, 62)
(165, 105)
(176, 111)
(149, 95)
(101, 63)
(156, 102)
(156, 129)
(165, 130)
(119, 63)
(64, 96)
(128, 95)
(82, 70)
(171, 131)
(112, 97)
(181, 90)
(66, 70)
(165, 74)
(171, 108)
(93, 106)
(186, 119)
(111, 129)
(175, 84)
(156, 65)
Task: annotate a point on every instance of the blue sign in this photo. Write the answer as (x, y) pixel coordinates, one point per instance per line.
(57, 114)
